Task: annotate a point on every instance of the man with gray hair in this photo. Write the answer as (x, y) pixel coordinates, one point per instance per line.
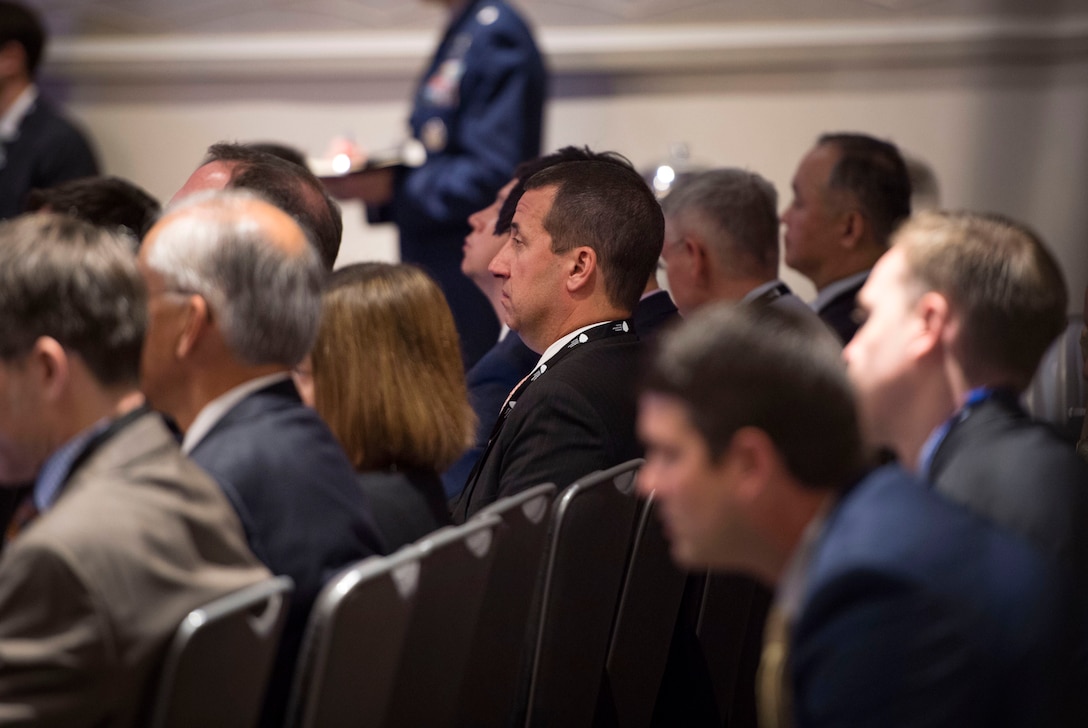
(120, 537)
(721, 241)
(235, 302)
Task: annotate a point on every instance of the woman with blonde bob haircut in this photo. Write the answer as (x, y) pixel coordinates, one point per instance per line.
(388, 379)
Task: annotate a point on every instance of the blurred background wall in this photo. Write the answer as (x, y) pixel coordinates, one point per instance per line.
(992, 94)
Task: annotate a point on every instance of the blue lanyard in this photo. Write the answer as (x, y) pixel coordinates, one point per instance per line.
(975, 397)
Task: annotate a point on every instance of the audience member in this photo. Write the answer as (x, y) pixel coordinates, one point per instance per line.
(389, 381)
(655, 308)
(235, 303)
(109, 202)
(38, 146)
(957, 315)
(849, 192)
(894, 606)
(504, 365)
(122, 536)
(499, 370)
(288, 186)
(721, 241)
(584, 240)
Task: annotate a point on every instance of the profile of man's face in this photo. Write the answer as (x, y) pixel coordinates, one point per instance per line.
(878, 358)
(694, 492)
(482, 244)
(810, 236)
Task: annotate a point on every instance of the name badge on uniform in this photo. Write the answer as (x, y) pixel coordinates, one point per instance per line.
(434, 135)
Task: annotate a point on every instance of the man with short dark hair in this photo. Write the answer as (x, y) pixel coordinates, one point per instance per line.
(40, 148)
(235, 302)
(109, 202)
(894, 607)
(584, 240)
(721, 241)
(121, 537)
(849, 193)
(290, 187)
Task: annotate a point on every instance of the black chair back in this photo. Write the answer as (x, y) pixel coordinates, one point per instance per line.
(642, 632)
(353, 643)
(217, 666)
(491, 676)
(455, 564)
(588, 541)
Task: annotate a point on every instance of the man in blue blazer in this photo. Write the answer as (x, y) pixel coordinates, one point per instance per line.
(235, 298)
(893, 606)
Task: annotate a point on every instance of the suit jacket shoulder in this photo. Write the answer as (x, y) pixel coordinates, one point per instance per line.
(489, 381)
(900, 623)
(653, 313)
(838, 313)
(407, 505)
(93, 590)
(1017, 473)
(576, 418)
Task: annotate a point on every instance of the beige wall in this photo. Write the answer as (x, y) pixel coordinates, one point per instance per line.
(1002, 135)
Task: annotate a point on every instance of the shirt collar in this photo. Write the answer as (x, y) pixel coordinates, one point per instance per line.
(56, 468)
(215, 410)
(563, 341)
(831, 290)
(760, 290)
(13, 117)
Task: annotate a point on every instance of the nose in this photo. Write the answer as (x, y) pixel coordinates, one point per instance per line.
(475, 221)
(499, 265)
(647, 480)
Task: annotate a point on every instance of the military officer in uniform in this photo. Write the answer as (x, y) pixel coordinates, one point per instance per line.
(478, 112)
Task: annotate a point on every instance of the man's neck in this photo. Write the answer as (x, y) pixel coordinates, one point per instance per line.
(213, 384)
(491, 287)
(735, 289)
(930, 404)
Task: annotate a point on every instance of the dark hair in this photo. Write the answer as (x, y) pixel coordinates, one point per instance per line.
(22, 25)
(290, 187)
(736, 211)
(875, 174)
(527, 169)
(77, 283)
(108, 202)
(610, 208)
(1000, 278)
(284, 152)
(735, 366)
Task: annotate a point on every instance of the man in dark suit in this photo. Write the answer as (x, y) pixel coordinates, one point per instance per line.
(121, 537)
(721, 241)
(957, 316)
(584, 240)
(894, 606)
(235, 301)
(40, 148)
(849, 192)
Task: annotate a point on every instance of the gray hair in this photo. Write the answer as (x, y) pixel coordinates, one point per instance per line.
(76, 283)
(267, 302)
(736, 212)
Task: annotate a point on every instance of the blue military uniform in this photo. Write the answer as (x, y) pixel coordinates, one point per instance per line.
(478, 111)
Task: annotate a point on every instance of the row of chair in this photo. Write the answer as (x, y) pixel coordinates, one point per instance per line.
(541, 610)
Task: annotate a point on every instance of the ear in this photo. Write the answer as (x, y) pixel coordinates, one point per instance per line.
(753, 459)
(582, 266)
(700, 261)
(51, 367)
(197, 321)
(936, 325)
(854, 227)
